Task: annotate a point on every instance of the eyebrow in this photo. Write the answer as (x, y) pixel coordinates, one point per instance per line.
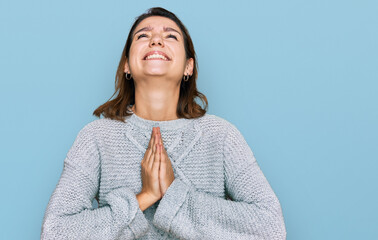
(169, 29)
(148, 28)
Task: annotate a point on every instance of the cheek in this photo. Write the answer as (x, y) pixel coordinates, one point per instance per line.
(132, 51)
(133, 55)
(180, 55)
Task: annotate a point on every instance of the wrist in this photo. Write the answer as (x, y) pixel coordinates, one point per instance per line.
(145, 200)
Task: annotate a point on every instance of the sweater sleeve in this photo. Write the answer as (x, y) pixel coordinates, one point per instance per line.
(253, 212)
(69, 213)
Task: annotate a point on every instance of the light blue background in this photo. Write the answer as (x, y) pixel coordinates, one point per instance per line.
(298, 79)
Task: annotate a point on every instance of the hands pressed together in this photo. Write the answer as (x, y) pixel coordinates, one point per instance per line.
(157, 172)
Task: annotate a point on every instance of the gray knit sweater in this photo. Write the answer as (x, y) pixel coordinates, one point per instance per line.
(219, 191)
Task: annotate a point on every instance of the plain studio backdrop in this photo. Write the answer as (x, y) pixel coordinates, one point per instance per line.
(298, 79)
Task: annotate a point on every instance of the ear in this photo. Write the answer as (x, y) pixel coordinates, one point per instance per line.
(126, 67)
(189, 66)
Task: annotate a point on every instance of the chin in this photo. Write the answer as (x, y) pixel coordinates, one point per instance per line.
(155, 72)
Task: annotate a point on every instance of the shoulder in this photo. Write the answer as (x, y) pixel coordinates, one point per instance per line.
(214, 122)
(102, 126)
(218, 126)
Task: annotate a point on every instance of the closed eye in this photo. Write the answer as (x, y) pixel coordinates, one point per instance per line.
(142, 35)
(172, 36)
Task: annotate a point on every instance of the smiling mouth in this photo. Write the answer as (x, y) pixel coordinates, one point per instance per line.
(156, 55)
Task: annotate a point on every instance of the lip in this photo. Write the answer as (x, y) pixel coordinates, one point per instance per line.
(157, 52)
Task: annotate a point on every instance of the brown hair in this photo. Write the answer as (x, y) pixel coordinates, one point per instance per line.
(186, 107)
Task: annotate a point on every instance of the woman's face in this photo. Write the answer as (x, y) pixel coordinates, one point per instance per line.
(158, 49)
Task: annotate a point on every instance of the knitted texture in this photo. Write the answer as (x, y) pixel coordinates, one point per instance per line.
(219, 191)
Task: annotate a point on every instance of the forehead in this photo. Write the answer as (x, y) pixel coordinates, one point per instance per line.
(157, 22)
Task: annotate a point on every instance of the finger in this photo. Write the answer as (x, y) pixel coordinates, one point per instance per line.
(163, 164)
(161, 141)
(150, 144)
(158, 134)
(165, 158)
(160, 137)
(150, 149)
(151, 156)
(147, 155)
(156, 163)
(163, 150)
(154, 150)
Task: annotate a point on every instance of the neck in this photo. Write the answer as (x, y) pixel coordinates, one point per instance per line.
(156, 103)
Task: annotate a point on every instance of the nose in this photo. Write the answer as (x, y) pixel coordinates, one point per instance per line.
(156, 40)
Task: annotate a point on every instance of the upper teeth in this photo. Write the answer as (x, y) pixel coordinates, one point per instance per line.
(156, 56)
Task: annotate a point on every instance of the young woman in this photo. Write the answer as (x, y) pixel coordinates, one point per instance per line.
(158, 164)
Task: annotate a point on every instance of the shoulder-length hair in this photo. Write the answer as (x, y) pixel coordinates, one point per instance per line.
(186, 108)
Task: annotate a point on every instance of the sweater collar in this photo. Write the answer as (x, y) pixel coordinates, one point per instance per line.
(164, 125)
